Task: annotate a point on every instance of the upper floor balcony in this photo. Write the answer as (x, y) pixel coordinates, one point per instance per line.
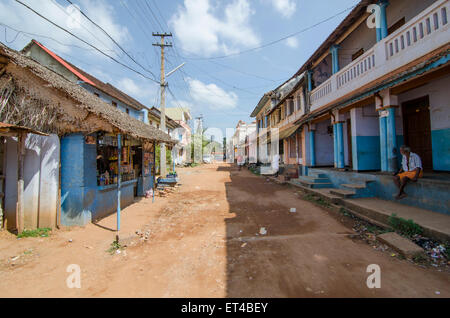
(423, 34)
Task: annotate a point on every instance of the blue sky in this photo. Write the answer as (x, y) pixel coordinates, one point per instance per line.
(223, 90)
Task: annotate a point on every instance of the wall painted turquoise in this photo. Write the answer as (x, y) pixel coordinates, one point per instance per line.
(441, 149)
(367, 154)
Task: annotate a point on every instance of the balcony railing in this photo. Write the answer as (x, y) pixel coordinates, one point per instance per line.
(424, 33)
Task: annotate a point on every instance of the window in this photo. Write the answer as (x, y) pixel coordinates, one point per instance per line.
(114, 104)
(96, 94)
(291, 106)
(128, 111)
(180, 137)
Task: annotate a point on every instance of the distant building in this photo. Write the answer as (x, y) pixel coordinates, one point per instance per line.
(240, 144)
(182, 116)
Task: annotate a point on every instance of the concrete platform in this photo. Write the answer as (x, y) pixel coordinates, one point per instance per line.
(378, 211)
(435, 224)
(343, 193)
(400, 244)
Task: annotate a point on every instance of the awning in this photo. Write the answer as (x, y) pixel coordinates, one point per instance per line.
(287, 132)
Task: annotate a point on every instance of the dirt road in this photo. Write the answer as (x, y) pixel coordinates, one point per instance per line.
(204, 242)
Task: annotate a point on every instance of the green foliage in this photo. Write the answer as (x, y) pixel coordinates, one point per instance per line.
(41, 232)
(115, 246)
(420, 258)
(254, 171)
(344, 212)
(317, 200)
(168, 157)
(405, 227)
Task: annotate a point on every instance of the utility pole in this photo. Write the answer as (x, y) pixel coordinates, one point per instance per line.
(198, 141)
(162, 45)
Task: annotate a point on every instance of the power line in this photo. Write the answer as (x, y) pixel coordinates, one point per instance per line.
(112, 39)
(78, 38)
(81, 24)
(272, 42)
(153, 14)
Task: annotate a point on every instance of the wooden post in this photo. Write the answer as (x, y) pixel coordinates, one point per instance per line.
(20, 218)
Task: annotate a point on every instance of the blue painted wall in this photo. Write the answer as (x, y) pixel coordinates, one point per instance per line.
(426, 194)
(441, 149)
(137, 114)
(366, 153)
(82, 201)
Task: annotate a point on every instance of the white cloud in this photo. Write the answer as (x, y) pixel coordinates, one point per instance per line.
(100, 11)
(145, 92)
(182, 104)
(201, 31)
(292, 42)
(286, 7)
(211, 95)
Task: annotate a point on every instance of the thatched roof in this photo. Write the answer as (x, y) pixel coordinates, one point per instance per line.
(84, 100)
(7, 128)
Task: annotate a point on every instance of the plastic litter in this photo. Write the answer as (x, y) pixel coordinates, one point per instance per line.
(263, 231)
(293, 210)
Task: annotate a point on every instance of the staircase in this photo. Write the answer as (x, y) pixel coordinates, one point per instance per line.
(317, 180)
(314, 181)
(354, 190)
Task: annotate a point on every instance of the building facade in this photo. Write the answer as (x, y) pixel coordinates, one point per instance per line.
(183, 134)
(378, 81)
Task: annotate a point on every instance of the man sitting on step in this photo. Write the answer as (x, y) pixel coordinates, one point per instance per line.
(411, 170)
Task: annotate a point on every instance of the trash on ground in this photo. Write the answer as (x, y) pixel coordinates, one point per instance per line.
(263, 231)
(293, 210)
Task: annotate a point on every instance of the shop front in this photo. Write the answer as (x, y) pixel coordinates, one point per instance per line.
(90, 177)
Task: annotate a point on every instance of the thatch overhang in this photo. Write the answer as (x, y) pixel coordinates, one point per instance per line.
(65, 107)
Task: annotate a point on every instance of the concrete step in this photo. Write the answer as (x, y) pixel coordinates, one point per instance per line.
(401, 244)
(343, 193)
(312, 185)
(317, 175)
(354, 186)
(314, 179)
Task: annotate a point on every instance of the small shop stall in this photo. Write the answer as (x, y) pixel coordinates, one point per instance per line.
(137, 163)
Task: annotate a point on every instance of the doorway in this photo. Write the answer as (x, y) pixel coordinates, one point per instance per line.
(417, 129)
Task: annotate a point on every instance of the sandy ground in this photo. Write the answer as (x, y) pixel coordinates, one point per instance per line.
(203, 243)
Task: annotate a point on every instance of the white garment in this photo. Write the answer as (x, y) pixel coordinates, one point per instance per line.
(276, 163)
(414, 162)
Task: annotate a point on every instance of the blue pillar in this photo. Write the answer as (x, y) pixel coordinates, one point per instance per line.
(335, 58)
(378, 34)
(312, 148)
(383, 142)
(335, 146)
(391, 137)
(309, 75)
(340, 146)
(119, 178)
(382, 32)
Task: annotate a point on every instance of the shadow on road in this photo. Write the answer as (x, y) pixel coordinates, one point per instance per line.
(258, 263)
